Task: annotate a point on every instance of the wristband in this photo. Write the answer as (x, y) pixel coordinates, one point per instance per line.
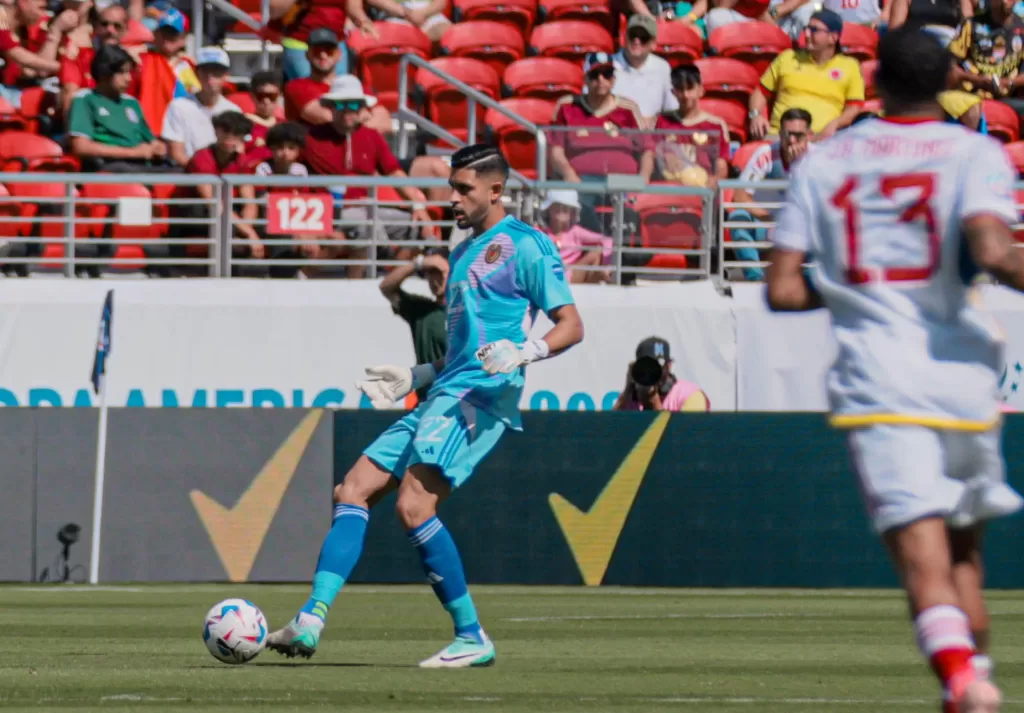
(418, 263)
(423, 375)
(535, 351)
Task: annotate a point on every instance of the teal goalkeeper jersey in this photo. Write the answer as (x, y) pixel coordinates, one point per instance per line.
(496, 284)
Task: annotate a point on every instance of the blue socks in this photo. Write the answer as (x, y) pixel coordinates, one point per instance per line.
(338, 557)
(444, 571)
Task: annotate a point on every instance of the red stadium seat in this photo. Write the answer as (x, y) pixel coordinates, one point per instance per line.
(669, 221)
(493, 43)
(743, 154)
(131, 256)
(137, 35)
(24, 151)
(868, 70)
(1003, 122)
(40, 200)
(570, 40)
(10, 119)
(756, 43)
(678, 43)
(596, 11)
(1015, 151)
(244, 101)
(734, 115)
(379, 59)
(444, 104)
(36, 105)
(543, 78)
(518, 144)
(726, 78)
(858, 41)
(519, 13)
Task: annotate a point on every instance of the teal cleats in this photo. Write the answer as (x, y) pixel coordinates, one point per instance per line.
(464, 652)
(299, 638)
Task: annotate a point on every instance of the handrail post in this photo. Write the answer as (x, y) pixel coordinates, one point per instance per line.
(375, 224)
(216, 253)
(619, 213)
(403, 102)
(542, 156)
(69, 230)
(471, 121)
(226, 230)
(264, 50)
(197, 25)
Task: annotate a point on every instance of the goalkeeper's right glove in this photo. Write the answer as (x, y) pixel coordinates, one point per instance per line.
(388, 384)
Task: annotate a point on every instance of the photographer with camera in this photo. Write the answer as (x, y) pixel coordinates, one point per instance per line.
(651, 385)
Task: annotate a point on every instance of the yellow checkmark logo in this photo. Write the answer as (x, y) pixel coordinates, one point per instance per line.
(592, 535)
(237, 533)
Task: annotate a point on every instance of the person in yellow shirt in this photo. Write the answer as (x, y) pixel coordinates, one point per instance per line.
(818, 79)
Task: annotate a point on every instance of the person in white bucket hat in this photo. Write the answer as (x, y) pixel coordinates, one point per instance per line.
(579, 247)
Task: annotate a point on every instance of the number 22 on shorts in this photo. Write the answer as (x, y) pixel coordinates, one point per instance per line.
(919, 185)
(302, 214)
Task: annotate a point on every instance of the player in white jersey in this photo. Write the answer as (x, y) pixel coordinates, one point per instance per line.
(896, 216)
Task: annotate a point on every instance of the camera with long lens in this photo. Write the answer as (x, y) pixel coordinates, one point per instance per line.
(646, 372)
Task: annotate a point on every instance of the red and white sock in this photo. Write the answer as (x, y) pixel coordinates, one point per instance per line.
(944, 637)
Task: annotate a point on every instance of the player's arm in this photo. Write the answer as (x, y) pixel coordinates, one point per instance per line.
(567, 332)
(991, 243)
(789, 289)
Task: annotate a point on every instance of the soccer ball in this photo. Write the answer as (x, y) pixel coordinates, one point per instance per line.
(235, 631)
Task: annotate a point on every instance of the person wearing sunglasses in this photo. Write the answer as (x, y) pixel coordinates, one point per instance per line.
(265, 89)
(597, 133)
(818, 79)
(108, 28)
(347, 147)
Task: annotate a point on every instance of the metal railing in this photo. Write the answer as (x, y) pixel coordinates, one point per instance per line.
(410, 115)
(229, 9)
(730, 224)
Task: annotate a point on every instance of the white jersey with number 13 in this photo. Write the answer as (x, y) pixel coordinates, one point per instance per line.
(879, 208)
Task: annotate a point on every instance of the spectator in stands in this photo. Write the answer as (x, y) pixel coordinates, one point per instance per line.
(860, 12)
(586, 143)
(769, 163)
(266, 91)
(188, 125)
(705, 142)
(642, 76)
(223, 156)
(346, 147)
(296, 20)
(29, 45)
(108, 29)
(939, 17)
(165, 73)
(989, 49)
(428, 15)
(964, 108)
(425, 316)
(651, 385)
(108, 130)
(790, 15)
(579, 247)
(827, 84)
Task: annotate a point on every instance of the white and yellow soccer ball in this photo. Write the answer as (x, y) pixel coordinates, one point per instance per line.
(235, 631)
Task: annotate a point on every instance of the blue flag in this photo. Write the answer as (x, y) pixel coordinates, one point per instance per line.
(99, 364)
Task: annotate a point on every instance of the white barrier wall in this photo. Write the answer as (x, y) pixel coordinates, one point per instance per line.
(269, 343)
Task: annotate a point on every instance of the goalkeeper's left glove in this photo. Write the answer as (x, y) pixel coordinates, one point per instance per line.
(504, 357)
(388, 384)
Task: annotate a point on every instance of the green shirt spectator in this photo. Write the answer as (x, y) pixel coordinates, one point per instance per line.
(112, 121)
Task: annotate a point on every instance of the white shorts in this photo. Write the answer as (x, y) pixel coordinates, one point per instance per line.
(907, 473)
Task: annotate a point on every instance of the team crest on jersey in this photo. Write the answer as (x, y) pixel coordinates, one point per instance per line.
(835, 74)
(611, 129)
(492, 254)
(700, 138)
(132, 116)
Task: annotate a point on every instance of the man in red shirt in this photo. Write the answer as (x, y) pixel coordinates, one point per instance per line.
(302, 95)
(222, 157)
(110, 26)
(700, 139)
(29, 44)
(346, 147)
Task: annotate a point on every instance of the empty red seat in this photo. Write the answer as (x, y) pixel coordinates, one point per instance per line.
(734, 115)
(867, 71)
(669, 221)
(596, 11)
(518, 143)
(570, 40)
(493, 43)
(858, 41)
(128, 255)
(543, 78)
(519, 13)
(379, 58)
(447, 106)
(727, 78)
(756, 43)
(1003, 122)
(678, 43)
(42, 201)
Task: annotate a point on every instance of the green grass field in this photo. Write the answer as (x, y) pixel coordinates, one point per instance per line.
(559, 649)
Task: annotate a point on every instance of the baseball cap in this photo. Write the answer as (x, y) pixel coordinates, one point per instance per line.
(322, 36)
(213, 56)
(830, 19)
(595, 60)
(172, 19)
(655, 348)
(642, 22)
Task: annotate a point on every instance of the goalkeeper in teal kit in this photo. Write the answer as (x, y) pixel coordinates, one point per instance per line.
(500, 277)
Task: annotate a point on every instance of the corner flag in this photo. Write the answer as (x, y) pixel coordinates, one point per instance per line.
(99, 364)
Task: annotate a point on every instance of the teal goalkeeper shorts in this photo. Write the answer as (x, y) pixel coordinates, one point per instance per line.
(443, 431)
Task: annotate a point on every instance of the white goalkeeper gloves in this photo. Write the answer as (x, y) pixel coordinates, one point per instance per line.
(504, 357)
(386, 385)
